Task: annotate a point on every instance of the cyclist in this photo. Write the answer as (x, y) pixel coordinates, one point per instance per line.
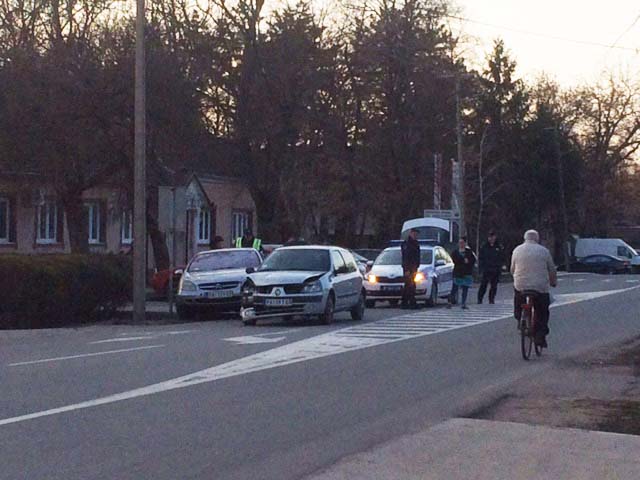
(533, 269)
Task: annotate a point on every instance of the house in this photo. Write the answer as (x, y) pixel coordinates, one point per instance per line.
(206, 206)
(33, 221)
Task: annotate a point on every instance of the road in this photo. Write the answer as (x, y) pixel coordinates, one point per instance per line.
(216, 400)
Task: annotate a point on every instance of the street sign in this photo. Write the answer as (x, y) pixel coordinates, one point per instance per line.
(444, 214)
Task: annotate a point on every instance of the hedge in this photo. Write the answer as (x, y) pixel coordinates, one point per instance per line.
(57, 290)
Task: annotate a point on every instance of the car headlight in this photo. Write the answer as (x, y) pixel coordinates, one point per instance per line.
(419, 277)
(314, 287)
(187, 286)
(372, 278)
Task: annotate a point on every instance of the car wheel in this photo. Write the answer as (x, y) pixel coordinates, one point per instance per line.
(357, 312)
(433, 299)
(185, 312)
(370, 303)
(329, 310)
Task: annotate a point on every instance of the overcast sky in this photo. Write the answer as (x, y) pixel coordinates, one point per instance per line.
(552, 21)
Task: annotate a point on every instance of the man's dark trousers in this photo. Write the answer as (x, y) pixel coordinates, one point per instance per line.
(489, 277)
(409, 292)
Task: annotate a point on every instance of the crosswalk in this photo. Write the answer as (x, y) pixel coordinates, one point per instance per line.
(430, 321)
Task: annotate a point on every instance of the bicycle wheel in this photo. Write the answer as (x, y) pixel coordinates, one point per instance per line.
(526, 341)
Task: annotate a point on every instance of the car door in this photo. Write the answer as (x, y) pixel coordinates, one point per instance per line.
(340, 280)
(355, 278)
(444, 270)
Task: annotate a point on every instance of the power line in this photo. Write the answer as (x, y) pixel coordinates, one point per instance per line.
(625, 32)
(552, 37)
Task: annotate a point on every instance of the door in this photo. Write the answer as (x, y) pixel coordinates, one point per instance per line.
(444, 270)
(341, 280)
(355, 278)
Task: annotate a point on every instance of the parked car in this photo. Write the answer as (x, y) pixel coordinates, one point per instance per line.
(601, 264)
(613, 247)
(214, 280)
(369, 253)
(385, 281)
(304, 281)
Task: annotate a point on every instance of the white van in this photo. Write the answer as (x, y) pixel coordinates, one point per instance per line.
(608, 246)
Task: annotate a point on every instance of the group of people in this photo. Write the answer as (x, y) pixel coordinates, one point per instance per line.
(532, 268)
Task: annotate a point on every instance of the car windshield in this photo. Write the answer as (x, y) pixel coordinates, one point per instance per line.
(231, 259)
(298, 259)
(394, 257)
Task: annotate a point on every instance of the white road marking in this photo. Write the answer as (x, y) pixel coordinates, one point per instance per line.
(633, 281)
(95, 354)
(579, 280)
(607, 280)
(328, 344)
(121, 339)
(253, 340)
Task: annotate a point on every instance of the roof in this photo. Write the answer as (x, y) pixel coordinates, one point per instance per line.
(312, 247)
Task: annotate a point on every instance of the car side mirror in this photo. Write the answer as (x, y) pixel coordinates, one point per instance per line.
(250, 270)
(370, 263)
(178, 271)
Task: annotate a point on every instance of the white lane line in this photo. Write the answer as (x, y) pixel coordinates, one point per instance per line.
(95, 354)
(328, 344)
(579, 279)
(122, 339)
(633, 281)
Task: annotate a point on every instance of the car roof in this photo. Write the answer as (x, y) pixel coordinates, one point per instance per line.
(223, 250)
(422, 247)
(311, 247)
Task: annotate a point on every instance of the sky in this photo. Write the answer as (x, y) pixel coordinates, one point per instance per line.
(561, 33)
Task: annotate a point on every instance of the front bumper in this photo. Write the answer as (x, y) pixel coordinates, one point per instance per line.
(262, 306)
(391, 291)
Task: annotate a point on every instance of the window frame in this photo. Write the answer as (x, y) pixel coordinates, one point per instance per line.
(94, 215)
(204, 239)
(4, 240)
(51, 213)
(244, 224)
(126, 239)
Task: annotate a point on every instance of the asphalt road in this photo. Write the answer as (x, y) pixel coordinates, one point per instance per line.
(216, 400)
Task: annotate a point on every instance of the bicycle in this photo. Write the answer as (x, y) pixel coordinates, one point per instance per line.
(528, 326)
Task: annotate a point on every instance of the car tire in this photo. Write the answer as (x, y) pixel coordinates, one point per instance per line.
(329, 310)
(185, 312)
(370, 303)
(432, 301)
(357, 312)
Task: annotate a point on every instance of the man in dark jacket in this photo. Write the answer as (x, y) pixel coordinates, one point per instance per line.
(491, 261)
(410, 265)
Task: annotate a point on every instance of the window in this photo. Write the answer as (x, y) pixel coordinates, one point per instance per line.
(47, 216)
(240, 224)
(94, 218)
(624, 252)
(126, 232)
(204, 226)
(338, 262)
(349, 260)
(4, 220)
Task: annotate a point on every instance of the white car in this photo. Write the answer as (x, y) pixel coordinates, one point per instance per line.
(385, 281)
(304, 281)
(214, 280)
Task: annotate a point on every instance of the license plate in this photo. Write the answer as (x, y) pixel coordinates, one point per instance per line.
(392, 288)
(277, 302)
(220, 294)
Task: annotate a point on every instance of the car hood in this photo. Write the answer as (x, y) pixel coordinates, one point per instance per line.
(394, 270)
(283, 277)
(231, 275)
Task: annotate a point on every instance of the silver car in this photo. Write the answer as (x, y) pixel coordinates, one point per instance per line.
(385, 280)
(304, 281)
(214, 280)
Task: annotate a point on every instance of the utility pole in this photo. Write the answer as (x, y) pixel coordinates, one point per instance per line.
(172, 263)
(563, 204)
(139, 176)
(460, 179)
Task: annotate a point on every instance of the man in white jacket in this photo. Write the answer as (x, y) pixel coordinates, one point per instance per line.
(533, 269)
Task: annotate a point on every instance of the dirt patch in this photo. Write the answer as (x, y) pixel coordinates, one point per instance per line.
(598, 391)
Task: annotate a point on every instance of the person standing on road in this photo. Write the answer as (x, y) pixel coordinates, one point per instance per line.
(490, 263)
(533, 270)
(249, 241)
(463, 260)
(410, 264)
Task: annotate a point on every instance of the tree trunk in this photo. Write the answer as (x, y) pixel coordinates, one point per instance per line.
(77, 224)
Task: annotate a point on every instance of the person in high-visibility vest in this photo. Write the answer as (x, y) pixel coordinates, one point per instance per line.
(249, 241)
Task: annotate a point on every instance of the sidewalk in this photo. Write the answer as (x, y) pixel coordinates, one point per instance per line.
(464, 449)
